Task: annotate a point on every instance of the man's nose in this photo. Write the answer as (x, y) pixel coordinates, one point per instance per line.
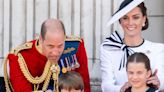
(55, 51)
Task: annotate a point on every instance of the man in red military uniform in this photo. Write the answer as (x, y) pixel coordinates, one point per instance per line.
(32, 64)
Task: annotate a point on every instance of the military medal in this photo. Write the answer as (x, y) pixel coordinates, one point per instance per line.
(68, 67)
(71, 63)
(64, 69)
(77, 65)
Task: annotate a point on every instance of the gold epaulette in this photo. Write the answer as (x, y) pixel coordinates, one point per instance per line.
(73, 38)
(16, 50)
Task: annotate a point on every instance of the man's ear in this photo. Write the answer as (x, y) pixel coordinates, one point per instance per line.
(40, 39)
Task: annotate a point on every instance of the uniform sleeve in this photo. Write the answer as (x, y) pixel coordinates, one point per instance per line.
(18, 81)
(107, 75)
(83, 69)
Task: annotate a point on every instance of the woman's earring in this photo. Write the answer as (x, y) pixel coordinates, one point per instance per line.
(143, 24)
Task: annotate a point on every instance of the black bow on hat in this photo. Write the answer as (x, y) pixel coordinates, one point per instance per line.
(125, 7)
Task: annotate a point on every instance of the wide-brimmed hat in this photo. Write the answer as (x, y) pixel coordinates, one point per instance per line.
(125, 7)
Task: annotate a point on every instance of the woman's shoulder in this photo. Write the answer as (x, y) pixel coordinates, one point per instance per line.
(154, 45)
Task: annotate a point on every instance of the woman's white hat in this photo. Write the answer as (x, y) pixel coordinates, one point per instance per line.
(129, 5)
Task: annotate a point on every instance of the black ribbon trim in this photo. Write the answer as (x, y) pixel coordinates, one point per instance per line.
(115, 41)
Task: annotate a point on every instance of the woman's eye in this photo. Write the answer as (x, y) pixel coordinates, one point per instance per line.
(136, 17)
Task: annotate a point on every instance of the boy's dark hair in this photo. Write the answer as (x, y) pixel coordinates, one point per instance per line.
(71, 80)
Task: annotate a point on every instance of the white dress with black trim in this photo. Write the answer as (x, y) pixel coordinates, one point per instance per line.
(113, 56)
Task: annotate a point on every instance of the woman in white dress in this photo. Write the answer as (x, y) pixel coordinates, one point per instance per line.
(114, 51)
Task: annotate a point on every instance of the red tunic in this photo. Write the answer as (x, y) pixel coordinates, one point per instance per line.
(83, 69)
(36, 63)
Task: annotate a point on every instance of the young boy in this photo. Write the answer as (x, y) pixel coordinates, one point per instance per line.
(71, 82)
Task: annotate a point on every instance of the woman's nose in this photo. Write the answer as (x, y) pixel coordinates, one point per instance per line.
(130, 21)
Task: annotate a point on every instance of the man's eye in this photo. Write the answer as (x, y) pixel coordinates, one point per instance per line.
(60, 46)
(49, 46)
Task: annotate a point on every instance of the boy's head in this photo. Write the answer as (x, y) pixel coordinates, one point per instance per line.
(71, 82)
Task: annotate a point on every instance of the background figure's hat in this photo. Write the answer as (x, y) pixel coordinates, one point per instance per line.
(125, 7)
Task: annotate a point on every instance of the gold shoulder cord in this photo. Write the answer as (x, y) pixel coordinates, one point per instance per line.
(45, 77)
(55, 70)
(37, 80)
(48, 71)
(73, 38)
(6, 61)
(27, 74)
(6, 77)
